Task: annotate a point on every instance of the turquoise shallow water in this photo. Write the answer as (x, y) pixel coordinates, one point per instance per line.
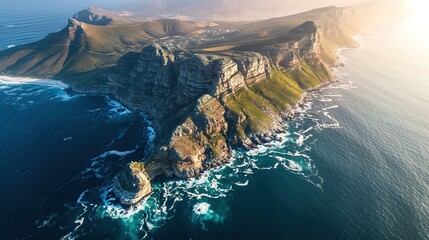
(353, 165)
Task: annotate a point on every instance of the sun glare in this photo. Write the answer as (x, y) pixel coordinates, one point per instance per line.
(420, 8)
(416, 26)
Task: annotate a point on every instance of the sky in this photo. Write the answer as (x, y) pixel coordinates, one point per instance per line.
(148, 8)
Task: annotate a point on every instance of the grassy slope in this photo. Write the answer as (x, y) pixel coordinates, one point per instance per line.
(310, 77)
(266, 100)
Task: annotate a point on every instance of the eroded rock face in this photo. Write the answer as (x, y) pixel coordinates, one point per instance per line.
(160, 81)
(305, 46)
(200, 143)
(254, 67)
(202, 74)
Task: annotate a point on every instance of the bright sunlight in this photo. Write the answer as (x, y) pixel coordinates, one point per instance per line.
(416, 25)
(420, 8)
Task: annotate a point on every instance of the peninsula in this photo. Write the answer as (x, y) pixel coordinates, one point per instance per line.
(209, 87)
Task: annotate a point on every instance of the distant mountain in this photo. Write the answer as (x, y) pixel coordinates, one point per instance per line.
(99, 16)
(93, 39)
(225, 9)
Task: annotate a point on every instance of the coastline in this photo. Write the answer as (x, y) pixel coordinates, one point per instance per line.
(256, 141)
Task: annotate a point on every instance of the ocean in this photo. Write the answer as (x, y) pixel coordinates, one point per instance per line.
(353, 165)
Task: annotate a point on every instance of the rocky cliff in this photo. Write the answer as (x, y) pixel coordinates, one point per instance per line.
(205, 104)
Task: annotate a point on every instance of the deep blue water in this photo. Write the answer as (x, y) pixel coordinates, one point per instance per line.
(353, 165)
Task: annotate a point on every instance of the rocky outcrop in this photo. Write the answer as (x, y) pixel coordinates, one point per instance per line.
(254, 67)
(199, 143)
(132, 184)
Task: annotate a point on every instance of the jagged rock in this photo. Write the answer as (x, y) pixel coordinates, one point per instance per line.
(254, 66)
(161, 81)
(200, 141)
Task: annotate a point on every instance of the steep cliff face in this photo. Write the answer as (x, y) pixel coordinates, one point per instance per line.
(199, 142)
(304, 46)
(161, 81)
(205, 104)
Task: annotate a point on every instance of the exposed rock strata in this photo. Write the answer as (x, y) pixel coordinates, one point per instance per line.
(291, 54)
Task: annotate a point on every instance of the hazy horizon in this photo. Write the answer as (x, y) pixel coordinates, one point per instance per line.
(238, 8)
(193, 9)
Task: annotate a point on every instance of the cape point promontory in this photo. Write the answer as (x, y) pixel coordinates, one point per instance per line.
(208, 87)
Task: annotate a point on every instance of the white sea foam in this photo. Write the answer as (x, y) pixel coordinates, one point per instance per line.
(201, 208)
(294, 166)
(300, 140)
(48, 222)
(115, 210)
(94, 110)
(151, 133)
(115, 153)
(10, 46)
(257, 151)
(117, 108)
(330, 107)
(24, 80)
(118, 137)
(242, 184)
(63, 96)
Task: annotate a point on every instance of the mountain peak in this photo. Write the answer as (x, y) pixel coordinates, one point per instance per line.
(95, 16)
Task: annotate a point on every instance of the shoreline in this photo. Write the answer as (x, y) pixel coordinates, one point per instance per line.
(15, 80)
(273, 135)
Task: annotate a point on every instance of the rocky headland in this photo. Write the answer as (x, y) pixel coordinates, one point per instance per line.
(205, 98)
(204, 105)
